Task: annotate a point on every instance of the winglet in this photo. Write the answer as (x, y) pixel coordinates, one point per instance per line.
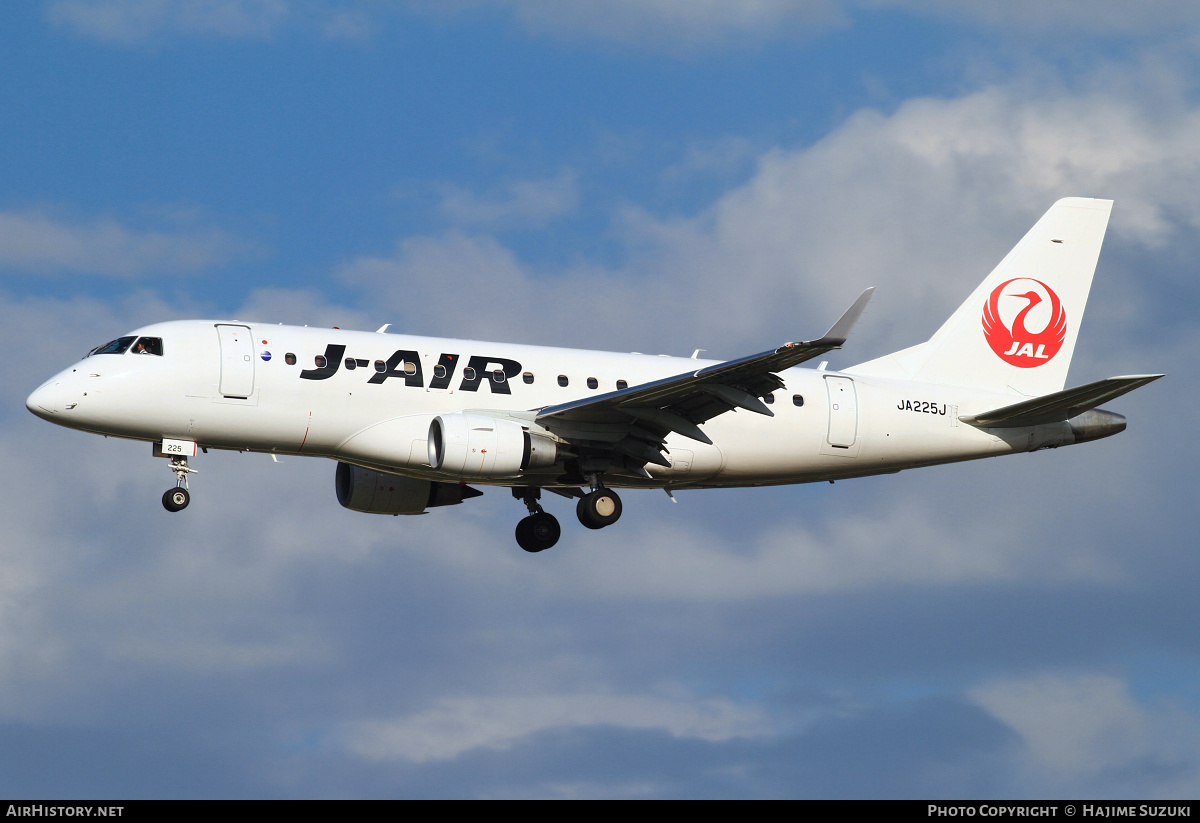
(841, 329)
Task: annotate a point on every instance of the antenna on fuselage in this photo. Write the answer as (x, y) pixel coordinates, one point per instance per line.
(382, 328)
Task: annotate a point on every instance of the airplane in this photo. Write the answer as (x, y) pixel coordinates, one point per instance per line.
(411, 421)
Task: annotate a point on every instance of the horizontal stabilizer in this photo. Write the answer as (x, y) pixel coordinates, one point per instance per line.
(1062, 405)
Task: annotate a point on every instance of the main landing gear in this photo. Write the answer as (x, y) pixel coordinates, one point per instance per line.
(177, 499)
(598, 509)
(540, 530)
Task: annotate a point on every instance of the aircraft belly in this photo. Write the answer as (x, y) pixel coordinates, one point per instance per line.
(784, 449)
(691, 462)
(397, 444)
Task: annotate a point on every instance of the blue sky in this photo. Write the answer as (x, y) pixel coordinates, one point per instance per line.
(653, 176)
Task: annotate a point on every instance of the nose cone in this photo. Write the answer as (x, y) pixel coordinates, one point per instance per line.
(44, 400)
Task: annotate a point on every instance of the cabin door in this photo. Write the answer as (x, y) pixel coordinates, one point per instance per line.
(237, 361)
(843, 412)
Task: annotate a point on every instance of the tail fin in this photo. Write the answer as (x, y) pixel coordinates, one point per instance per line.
(1016, 333)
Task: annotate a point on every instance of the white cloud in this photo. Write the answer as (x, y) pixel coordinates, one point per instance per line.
(99, 594)
(1071, 16)
(722, 157)
(688, 26)
(521, 203)
(925, 201)
(455, 725)
(683, 27)
(1087, 732)
(678, 24)
(130, 21)
(33, 242)
(99, 589)
(460, 285)
(922, 203)
(348, 25)
(306, 307)
(902, 542)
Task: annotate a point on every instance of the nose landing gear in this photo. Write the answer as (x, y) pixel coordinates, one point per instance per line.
(177, 499)
(174, 500)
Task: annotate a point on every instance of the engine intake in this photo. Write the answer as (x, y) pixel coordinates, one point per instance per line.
(364, 490)
(479, 446)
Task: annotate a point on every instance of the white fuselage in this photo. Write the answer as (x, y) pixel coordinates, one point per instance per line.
(845, 425)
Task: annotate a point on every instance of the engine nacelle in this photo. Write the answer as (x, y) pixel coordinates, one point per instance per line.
(475, 445)
(364, 490)
(1097, 423)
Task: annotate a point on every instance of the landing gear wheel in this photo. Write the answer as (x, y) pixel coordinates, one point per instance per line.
(599, 509)
(176, 499)
(538, 532)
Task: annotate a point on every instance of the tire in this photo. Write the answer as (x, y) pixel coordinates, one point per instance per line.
(538, 532)
(523, 535)
(599, 509)
(177, 499)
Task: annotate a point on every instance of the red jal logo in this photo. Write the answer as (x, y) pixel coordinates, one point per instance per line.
(1015, 344)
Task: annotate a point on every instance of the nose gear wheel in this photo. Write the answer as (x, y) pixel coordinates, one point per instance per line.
(177, 499)
(174, 500)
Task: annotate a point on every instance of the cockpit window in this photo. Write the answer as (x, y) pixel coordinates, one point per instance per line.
(148, 345)
(117, 346)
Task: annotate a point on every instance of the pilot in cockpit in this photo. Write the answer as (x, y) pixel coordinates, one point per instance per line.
(148, 345)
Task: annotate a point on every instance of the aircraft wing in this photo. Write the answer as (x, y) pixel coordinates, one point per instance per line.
(1061, 405)
(634, 421)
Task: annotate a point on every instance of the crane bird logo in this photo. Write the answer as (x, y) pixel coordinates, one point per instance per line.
(1014, 343)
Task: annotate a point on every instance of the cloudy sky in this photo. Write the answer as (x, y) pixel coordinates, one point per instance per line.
(652, 175)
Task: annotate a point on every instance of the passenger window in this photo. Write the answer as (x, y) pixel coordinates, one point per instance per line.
(117, 346)
(290, 359)
(350, 364)
(797, 400)
(527, 377)
(439, 372)
(380, 366)
(621, 384)
(320, 361)
(593, 383)
(768, 399)
(468, 374)
(562, 380)
(498, 376)
(148, 345)
(409, 367)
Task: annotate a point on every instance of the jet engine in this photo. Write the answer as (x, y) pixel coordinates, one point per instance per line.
(478, 446)
(1095, 424)
(364, 490)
